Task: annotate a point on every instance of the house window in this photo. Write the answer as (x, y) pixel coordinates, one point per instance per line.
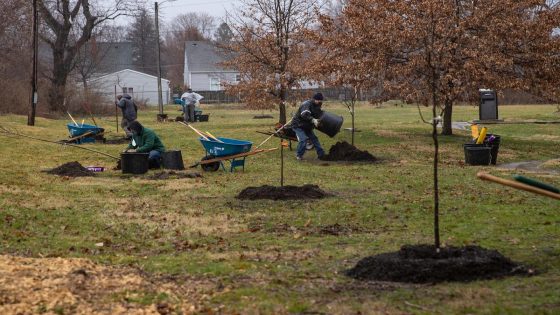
(237, 77)
(128, 90)
(215, 84)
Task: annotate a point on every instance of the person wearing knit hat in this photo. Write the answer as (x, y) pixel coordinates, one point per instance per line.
(303, 122)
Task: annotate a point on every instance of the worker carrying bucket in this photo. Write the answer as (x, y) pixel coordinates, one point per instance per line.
(310, 116)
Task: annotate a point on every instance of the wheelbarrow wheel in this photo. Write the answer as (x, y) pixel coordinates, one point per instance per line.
(210, 167)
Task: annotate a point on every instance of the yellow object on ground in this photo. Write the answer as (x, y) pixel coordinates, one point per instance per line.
(474, 131)
(482, 135)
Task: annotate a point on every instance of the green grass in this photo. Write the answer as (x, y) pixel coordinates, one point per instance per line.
(269, 255)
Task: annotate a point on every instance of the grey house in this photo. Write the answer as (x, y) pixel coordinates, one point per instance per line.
(202, 69)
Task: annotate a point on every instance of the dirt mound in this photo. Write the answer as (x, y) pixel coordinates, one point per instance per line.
(117, 141)
(72, 169)
(344, 151)
(283, 193)
(422, 264)
(79, 286)
(172, 175)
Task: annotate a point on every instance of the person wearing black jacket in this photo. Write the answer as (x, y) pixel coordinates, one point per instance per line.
(129, 112)
(307, 118)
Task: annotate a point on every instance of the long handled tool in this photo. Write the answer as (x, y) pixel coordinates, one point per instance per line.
(517, 185)
(195, 130)
(213, 138)
(75, 123)
(272, 135)
(6, 132)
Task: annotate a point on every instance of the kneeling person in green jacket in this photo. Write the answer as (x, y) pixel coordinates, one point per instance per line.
(145, 140)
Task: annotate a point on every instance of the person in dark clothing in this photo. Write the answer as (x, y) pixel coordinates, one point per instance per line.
(190, 99)
(145, 140)
(303, 122)
(129, 112)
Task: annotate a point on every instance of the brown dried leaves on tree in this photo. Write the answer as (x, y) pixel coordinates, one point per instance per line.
(268, 49)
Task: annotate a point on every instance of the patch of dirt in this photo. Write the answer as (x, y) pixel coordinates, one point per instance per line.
(422, 264)
(344, 151)
(79, 286)
(172, 175)
(263, 117)
(283, 193)
(71, 169)
(117, 141)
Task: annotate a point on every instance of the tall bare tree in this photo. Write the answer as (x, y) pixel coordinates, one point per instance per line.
(69, 24)
(269, 50)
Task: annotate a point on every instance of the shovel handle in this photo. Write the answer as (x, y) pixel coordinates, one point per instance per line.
(517, 185)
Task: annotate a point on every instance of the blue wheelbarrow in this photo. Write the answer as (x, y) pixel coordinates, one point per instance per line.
(84, 133)
(219, 150)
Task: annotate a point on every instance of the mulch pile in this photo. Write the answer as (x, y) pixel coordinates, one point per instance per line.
(422, 264)
(72, 169)
(283, 193)
(344, 151)
(172, 175)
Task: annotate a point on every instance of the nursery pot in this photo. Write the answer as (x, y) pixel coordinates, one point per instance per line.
(173, 160)
(134, 162)
(477, 154)
(330, 124)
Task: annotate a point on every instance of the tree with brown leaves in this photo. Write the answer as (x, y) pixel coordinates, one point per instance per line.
(436, 52)
(268, 49)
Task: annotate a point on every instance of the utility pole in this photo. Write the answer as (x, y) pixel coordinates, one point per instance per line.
(35, 45)
(161, 116)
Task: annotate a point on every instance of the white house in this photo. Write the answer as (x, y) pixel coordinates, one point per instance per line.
(202, 67)
(141, 86)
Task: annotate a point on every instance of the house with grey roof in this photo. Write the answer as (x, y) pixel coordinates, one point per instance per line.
(203, 71)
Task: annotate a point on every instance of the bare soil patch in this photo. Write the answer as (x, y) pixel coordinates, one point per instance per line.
(283, 193)
(422, 264)
(71, 169)
(344, 151)
(117, 141)
(263, 117)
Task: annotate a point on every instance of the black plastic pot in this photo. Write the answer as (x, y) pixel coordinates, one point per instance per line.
(330, 124)
(477, 154)
(495, 145)
(173, 160)
(134, 163)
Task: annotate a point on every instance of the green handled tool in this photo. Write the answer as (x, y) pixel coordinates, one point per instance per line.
(536, 183)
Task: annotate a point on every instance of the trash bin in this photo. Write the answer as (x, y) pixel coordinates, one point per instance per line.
(173, 160)
(494, 142)
(488, 107)
(134, 162)
(477, 154)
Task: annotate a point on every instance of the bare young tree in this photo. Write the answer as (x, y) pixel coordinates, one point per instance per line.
(69, 24)
(269, 50)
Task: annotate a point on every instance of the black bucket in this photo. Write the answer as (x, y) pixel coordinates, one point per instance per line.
(330, 124)
(134, 162)
(495, 145)
(173, 160)
(477, 154)
(202, 118)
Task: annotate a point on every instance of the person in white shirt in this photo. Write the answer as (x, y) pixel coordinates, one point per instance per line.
(190, 99)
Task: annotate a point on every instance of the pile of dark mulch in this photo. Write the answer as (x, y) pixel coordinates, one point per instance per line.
(72, 169)
(422, 264)
(283, 193)
(117, 141)
(179, 118)
(344, 151)
(263, 117)
(172, 175)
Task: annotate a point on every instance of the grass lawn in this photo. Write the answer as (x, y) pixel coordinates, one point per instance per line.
(274, 257)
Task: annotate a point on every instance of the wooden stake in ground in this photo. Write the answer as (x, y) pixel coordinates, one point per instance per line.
(116, 110)
(517, 185)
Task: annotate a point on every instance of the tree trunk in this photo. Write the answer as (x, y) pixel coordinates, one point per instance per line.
(282, 105)
(57, 93)
(436, 182)
(447, 111)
